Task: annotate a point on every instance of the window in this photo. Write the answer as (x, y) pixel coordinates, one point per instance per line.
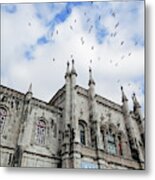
(111, 144)
(82, 134)
(3, 114)
(41, 132)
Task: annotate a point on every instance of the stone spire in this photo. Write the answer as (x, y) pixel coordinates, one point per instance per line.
(91, 80)
(29, 93)
(124, 98)
(125, 103)
(67, 70)
(135, 102)
(138, 113)
(30, 88)
(73, 71)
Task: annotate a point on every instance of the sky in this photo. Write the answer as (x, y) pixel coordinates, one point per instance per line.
(38, 39)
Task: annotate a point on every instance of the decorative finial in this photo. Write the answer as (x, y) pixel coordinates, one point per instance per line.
(124, 98)
(73, 71)
(135, 101)
(91, 81)
(67, 70)
(67, 63)
(30, 88)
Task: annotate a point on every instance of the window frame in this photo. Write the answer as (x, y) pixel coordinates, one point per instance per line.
(41, 132)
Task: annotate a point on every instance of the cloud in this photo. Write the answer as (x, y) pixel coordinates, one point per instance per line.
(38, 40)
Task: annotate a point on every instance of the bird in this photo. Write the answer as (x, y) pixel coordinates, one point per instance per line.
(99, 17)
(88, 19)
(74, 20)
(29, 24)
(92, 47)
(90, 60)
(136, 43)
(53, 59)
(57, 31)
(90, 29)
(82, 41)
(111, 34)
(113, 14)
(71, 27)
(129, 54)
(117, 24)
(115, 34)
(122, 42)
(85, 13)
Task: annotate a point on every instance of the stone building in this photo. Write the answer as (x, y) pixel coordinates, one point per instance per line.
(76, 129)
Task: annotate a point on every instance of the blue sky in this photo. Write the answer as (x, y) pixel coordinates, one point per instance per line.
(108, 36)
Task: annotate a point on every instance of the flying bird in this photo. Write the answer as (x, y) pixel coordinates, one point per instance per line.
(117, 24)
(129, 54)
(90, 29)
(92, 47)
(111, 34)
(122, 43)
(136, 43)
(115, 34)
(82, 41)
(113, 14)
(53, 59)
(88, 19)
(71, 27)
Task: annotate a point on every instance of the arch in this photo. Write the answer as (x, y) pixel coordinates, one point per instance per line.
(3, 116)
(40, 131)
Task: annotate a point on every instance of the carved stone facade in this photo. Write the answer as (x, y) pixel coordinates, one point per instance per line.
(75, 129)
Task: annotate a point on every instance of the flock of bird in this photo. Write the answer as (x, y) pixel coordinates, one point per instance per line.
(90, 29)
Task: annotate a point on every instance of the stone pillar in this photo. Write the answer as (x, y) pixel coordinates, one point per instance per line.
(67, 123)
(75, 139)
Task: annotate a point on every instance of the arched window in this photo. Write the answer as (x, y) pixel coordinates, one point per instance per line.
(40, 132)
(111, 143)
(82, 134)
(3, 114)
